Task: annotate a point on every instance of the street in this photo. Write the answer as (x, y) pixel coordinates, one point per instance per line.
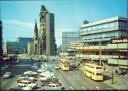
(73, 79)
(16, 70)
(76, 80)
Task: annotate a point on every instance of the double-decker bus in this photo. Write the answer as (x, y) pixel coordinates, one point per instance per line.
(64, 65)
(93, 71)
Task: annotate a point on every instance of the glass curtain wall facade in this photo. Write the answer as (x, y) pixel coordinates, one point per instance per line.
(67, 38)
(104, 31)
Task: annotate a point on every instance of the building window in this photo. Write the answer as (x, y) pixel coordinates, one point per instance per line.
(122, 24)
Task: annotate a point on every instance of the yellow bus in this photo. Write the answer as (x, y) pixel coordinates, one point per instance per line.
(93, 71)
(64, 65)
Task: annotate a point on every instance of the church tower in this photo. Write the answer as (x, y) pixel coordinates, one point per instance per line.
(35, 38)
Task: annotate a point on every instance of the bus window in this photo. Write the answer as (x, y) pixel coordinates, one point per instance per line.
(98, 68)
(99, 74)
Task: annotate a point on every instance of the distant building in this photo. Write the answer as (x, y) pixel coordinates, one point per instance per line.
(44, 38)
(19, 46)
(67, 38)
(23, 41)
(14, 47)
(1, 41)
(30, 48)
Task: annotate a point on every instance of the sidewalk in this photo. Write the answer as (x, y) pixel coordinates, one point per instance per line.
(120, 82)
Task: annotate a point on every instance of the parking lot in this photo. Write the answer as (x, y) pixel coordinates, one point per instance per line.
(35, 74)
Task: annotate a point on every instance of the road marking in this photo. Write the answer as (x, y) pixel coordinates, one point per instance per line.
(83, 87)
(97, 87)
(71, 88)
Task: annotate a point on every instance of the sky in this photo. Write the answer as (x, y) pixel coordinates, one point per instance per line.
(18, 17)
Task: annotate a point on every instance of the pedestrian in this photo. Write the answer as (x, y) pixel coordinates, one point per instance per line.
(116, 71)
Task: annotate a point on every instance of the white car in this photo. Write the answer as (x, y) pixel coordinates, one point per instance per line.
(33, 85)
(25, 81)
(40, 70)
(34, 73)
(47, 74)
(57, 67)
(7, 75)
(27, 88)
(53, 86)
(28, 72)
(23, 77)
(43, 78)
(32, 78)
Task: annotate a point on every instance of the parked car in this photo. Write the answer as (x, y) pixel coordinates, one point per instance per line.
(53, 86)
(25, 81)
(32, 79)
(27, 88)
(33, 85)
(40, 70)
(28, 72)
(43, 78)
(23, 77)
(57, 67)
(7, 75)
(22, 85)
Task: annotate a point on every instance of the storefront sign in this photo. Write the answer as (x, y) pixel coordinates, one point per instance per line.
(119, 40)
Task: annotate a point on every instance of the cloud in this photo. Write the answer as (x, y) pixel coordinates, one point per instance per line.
(17, 23)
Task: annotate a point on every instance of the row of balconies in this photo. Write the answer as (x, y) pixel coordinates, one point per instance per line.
(98, 56)
(109, 46)
(98, 31)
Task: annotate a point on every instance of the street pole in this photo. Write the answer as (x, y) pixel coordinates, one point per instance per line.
(93, 54)
(100, 53)
(112, 76)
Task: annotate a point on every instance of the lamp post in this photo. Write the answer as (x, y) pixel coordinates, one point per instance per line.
(112, 76)
(100, 53)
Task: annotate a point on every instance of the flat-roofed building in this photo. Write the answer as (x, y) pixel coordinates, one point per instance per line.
(104, 40)
(104, 30)
(19, 46)
(30, 49)
(67, 38)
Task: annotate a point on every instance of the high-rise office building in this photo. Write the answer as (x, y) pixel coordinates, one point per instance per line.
(67, 38)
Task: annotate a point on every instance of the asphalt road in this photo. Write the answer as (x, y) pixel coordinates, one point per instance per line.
(76, 80)
(73, 80)
(16, 70)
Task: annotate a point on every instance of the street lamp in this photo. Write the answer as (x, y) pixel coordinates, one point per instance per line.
(100, 53)
(112, 76)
